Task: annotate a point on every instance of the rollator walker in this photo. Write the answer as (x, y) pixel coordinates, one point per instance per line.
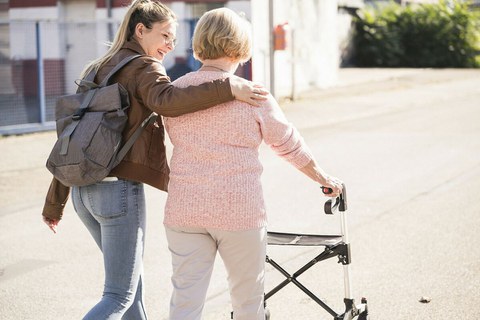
(334, 246)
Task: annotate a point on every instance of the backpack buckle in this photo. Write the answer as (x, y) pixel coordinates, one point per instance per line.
(79, 114)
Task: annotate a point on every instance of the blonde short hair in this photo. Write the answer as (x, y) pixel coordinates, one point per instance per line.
(222, 33)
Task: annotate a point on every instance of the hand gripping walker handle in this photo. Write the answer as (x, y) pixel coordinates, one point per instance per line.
(340, 201)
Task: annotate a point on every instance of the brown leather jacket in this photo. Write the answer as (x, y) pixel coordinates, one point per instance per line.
(150, 90)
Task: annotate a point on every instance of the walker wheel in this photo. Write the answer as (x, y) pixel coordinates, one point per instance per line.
(364, 314)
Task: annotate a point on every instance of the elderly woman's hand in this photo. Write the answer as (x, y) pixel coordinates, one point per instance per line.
(335, 184)
(316, 173)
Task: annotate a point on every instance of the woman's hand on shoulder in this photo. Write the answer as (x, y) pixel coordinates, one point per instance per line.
(247, 91)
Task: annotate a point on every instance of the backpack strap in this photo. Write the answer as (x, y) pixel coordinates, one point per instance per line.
(149, 120)
(119, 66)
(88, 81)
(93, 87)
(129, 143)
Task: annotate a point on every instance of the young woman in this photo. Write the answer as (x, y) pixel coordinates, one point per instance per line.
(114, 210)
(215, 201)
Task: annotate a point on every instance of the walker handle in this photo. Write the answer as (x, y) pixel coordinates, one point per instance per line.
(340, 201)
(326, 190)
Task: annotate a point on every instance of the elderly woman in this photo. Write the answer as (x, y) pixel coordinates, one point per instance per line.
(215, 201)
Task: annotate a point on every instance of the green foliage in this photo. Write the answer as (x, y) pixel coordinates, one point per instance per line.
(431, 35)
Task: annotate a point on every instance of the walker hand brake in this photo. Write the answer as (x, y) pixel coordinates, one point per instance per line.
(340, 201)
(326, 190)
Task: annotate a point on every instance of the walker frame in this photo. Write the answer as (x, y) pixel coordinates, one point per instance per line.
(335, 246)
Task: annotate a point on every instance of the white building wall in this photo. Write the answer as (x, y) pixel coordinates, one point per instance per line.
(261, 42)
(64, 31)
(22, 34)
(241, 6)
(44, 13)
(78, 28)
(311, 58)
(77, 10)
(102, 31)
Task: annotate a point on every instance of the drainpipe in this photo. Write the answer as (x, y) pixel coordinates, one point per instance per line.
(108, 4)
(40, 73)
(272, 51)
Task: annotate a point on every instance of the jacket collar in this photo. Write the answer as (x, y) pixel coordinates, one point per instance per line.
(134, 46)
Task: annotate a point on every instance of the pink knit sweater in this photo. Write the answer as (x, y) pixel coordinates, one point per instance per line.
(215, 170)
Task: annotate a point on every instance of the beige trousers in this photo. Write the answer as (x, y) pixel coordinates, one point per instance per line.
(193, 254)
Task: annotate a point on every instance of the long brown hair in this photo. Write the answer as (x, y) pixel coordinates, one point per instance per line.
(146, 12)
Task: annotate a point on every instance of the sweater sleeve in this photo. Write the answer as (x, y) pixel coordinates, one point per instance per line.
(281, 135)
(159, 95)
(56, 199)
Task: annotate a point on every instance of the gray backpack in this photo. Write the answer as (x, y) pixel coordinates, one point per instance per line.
(89, 129)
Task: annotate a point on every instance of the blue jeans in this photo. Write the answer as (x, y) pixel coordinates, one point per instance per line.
(114, 214)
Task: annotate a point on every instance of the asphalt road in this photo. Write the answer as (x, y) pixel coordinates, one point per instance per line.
(405, 141)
